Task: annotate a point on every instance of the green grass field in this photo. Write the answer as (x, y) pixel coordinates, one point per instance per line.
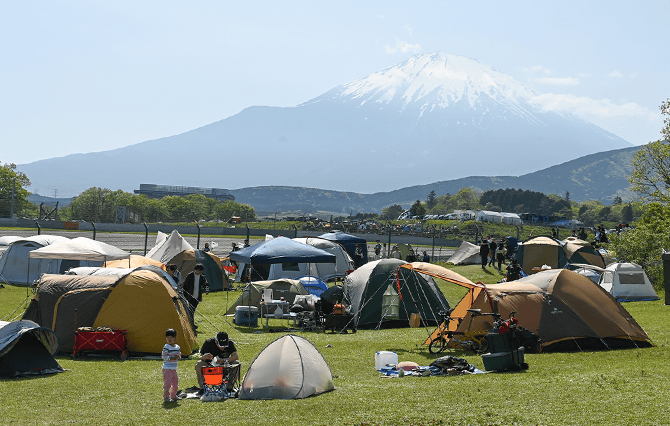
(624, 387)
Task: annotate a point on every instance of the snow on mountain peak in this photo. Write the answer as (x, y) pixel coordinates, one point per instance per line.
(433, 80)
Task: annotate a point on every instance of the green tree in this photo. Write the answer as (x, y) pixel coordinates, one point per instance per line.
(8, 176)
(417, 209)
(392, 212)
(627, 213)
(431, 200)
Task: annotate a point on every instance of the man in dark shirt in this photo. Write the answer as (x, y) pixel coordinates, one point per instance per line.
(219, 351)
(484, 252)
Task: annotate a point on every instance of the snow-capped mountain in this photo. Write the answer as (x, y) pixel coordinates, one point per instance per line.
(431, 117)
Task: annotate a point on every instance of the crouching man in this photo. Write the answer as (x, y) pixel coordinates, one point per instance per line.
(219, 351)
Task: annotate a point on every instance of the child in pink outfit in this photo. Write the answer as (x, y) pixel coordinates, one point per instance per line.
(171, 354)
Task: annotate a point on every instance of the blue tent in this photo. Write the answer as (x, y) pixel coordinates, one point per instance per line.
(281, 250)
(349, 242)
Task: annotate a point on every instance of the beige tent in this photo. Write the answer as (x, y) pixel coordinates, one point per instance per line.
(133, 262)
(466, 254)
(187, 259)
(142, 302)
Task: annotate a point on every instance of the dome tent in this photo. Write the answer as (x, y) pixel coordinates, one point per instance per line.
(417, 293)
(187, 259)
(17, 268)
(349, 242)
(288, 368)
(27, 349)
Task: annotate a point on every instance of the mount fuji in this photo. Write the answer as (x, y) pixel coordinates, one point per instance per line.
(432, 117)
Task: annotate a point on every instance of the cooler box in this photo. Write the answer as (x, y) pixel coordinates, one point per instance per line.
(385, 357)
(246, 315)
(503, 360)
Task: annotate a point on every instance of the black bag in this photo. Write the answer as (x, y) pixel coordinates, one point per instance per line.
(446, 362)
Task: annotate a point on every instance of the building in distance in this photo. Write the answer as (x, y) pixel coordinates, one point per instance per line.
(159, 191)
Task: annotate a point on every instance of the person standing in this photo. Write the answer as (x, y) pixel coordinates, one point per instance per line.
(396, 254)
(174, 273)
(195, 284)
(411, 257)
(500, 254)
(171, 353)
(493, 246)
(425, 257)
(378, 250)
(484, 252)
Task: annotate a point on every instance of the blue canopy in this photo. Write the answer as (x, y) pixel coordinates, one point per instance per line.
(349, 242)
(281, 250)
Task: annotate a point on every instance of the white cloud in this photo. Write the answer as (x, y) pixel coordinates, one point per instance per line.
(404, 47)
(615, 73)
(409, 29)
(538, 68)
(585, 105)
(558, 81)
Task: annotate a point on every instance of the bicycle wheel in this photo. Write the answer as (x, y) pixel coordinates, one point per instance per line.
(479, 344)
(437, 345)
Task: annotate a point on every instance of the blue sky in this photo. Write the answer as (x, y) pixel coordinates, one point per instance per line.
(82, 76)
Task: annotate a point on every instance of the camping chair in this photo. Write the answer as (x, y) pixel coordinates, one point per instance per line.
(214, 386)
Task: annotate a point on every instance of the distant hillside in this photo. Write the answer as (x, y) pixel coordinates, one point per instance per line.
(37, 199)
(600, 176)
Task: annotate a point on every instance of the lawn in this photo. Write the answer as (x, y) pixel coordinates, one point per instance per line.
(584, 388)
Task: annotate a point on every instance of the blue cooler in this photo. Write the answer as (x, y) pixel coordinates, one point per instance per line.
(246, 315)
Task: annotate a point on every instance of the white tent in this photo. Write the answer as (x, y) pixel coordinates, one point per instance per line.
(80, 248)
(14, 262)
(488, 216)
(627, 282)
(466, 254)
(288, 368)
(511, 219)
(326, 271)
(168, 246)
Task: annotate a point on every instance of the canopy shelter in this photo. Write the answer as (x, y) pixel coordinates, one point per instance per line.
(566, 310)
(80, 248)
(27, 349)
(280, 250)
(349, 242)
(328, 271)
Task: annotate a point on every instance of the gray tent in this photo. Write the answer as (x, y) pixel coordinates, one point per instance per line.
(288, 368)
(466, 254)
(27, 349)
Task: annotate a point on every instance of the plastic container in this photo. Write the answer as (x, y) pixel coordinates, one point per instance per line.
(502, 361)
(499, 342)
(383, 358)
(246, 315)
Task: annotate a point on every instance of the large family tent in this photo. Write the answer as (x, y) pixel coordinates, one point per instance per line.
(281, 250)
(141, 302)
(466, 254)
(14, 262)
(565, 309)
(349, 242)
(187, 259)
(381, 294)
(120, 272)
(539, 251)
(252, 294)
(6, 241)
(627, 282)
(27, 349)
(168, 246)
(288, 368)
(328, 271)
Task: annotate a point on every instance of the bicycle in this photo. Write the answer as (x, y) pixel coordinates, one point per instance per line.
(474, 340)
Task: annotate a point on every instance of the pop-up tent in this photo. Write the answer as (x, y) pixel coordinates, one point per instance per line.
(349, 242)
(565, 309)
(141, 302)
(253, 292)
(381, 294)
(15, 267)
(627, 282)
(328, 271)
(466, 254)
(280, 250)
(288, 368)
(27, 349)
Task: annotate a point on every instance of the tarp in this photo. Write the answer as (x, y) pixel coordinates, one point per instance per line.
(281, 250)
(466, 254)
(27, 349)
(80, 248)
(288, 368)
